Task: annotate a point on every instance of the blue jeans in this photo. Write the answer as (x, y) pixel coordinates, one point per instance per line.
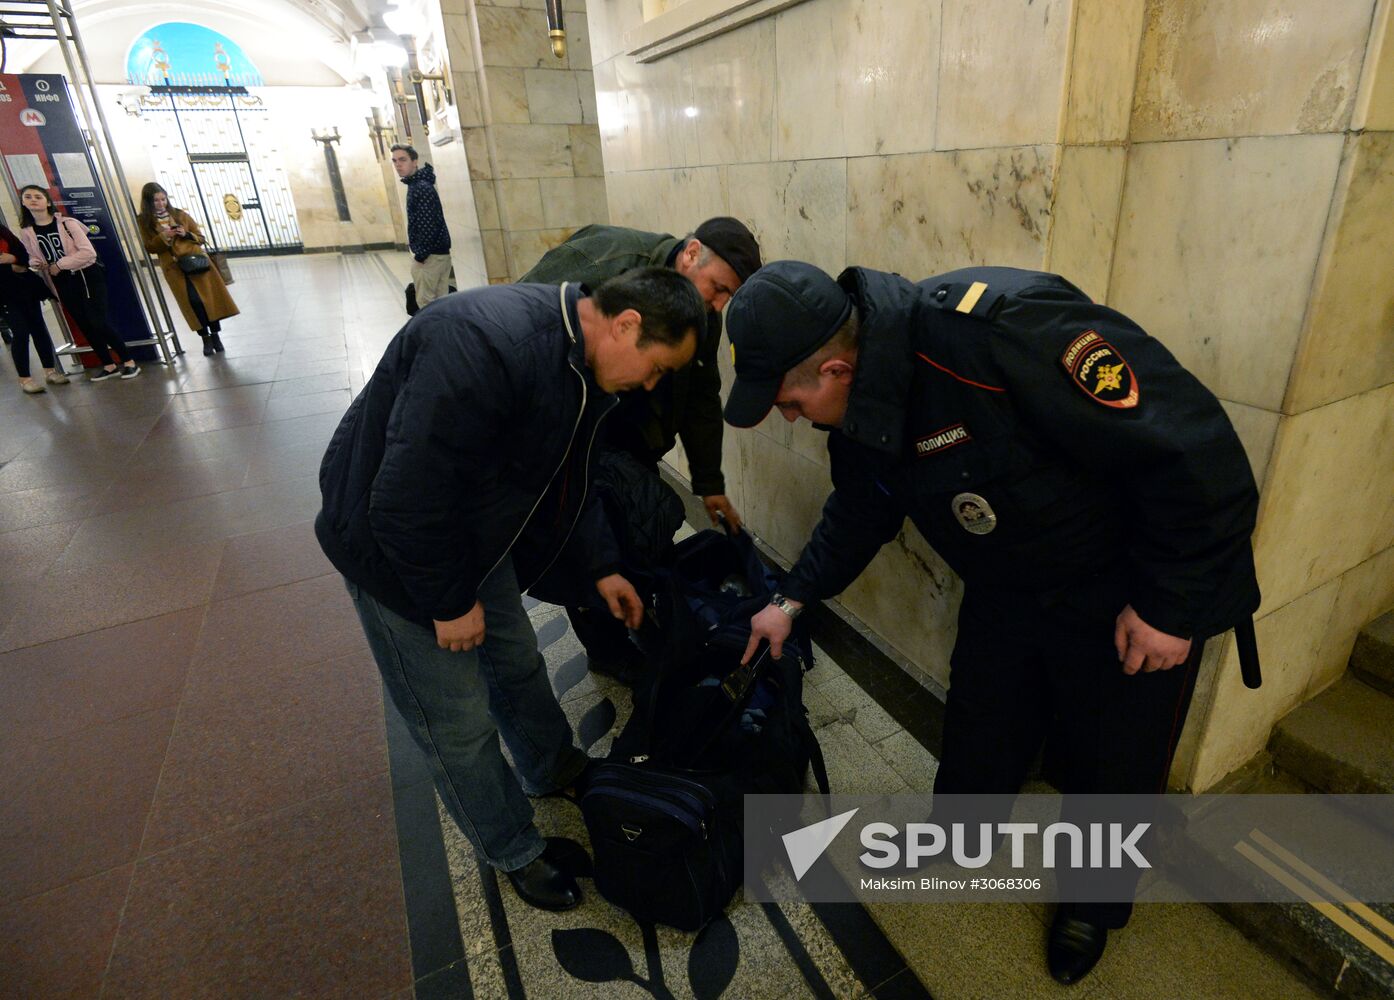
(456, 706)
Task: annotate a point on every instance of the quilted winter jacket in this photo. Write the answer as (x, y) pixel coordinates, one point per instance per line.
(472, 441)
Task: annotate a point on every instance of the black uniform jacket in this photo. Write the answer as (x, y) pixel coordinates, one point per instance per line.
(471, 441)
(1045, 446)
(685, 404)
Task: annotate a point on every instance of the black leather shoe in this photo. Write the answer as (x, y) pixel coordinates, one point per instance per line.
(207, 345)
(544, 884)
(1075, 947)
(217, 339)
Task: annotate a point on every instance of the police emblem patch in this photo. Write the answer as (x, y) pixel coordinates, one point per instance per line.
(1100, 371)
(974, 513)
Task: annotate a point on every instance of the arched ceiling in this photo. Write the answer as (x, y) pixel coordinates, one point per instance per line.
(281, 32)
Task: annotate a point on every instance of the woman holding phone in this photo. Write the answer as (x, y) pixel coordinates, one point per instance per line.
(61, 253)
(173, 237)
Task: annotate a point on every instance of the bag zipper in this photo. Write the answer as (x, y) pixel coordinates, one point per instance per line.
(651, 801)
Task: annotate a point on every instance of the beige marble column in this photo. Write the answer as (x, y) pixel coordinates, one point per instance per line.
(1253, 240)
(529, 124)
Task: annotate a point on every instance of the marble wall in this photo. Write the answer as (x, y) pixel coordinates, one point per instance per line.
(1248, 167)
(1195, 164)
(529, 127)
(298, 111)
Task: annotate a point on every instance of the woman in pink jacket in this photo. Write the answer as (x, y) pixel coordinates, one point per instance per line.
(60, 251)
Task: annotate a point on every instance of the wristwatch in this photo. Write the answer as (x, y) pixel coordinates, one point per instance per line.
(787, 606)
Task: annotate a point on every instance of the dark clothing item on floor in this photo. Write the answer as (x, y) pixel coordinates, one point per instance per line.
(83, 294)
(471, 442)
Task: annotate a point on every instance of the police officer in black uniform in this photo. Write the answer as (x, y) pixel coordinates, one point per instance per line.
(1090, 492)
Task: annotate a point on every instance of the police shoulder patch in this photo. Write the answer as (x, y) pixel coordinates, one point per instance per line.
(1100, 371)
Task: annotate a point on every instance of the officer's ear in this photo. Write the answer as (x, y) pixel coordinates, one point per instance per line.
(838, 369)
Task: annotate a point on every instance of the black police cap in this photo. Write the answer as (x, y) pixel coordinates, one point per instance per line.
(781, 316)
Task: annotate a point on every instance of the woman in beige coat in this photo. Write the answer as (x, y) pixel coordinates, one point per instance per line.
(171, 233)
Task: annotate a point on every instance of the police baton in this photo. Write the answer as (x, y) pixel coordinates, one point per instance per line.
(1248, 654)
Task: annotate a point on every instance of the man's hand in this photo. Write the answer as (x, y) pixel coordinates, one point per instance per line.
(463, 633)
(717, 504)
(622, 599)
(771, 624)
(54, 268)
(1142, 647)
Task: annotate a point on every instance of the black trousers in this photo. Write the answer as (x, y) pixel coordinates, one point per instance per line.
(83, 294)
(26, 319)
(1022, 673)
(206, 326)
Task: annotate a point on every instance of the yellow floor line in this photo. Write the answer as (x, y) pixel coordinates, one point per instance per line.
(1330, 911)
(1323, 883)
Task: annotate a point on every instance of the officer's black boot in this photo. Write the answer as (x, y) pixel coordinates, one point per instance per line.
(207, 344)
(217, 339)
(1074, 948)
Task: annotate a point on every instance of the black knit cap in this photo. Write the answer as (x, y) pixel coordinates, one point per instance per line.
(781, 316)
(730, 240)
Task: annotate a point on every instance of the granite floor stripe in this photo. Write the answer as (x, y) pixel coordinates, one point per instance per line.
(432, 926)
(503, 938)
(865, 947)
(817, 985)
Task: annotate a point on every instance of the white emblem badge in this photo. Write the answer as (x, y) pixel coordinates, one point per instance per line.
(974, 513)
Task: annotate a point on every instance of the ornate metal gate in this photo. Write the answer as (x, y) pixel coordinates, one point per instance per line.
(230, 178)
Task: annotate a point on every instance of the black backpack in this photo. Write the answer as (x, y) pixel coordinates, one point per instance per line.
(665, 811)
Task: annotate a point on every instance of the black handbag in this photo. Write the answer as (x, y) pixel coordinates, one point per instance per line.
(667, 845)
(194, 263)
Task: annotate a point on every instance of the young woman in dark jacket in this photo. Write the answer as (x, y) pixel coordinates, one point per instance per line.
(60, 251)
(21, 295)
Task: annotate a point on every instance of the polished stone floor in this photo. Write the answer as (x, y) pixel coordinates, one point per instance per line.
(200, 793)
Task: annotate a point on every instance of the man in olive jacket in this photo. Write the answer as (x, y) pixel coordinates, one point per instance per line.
(717, 257)
(451, 485)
